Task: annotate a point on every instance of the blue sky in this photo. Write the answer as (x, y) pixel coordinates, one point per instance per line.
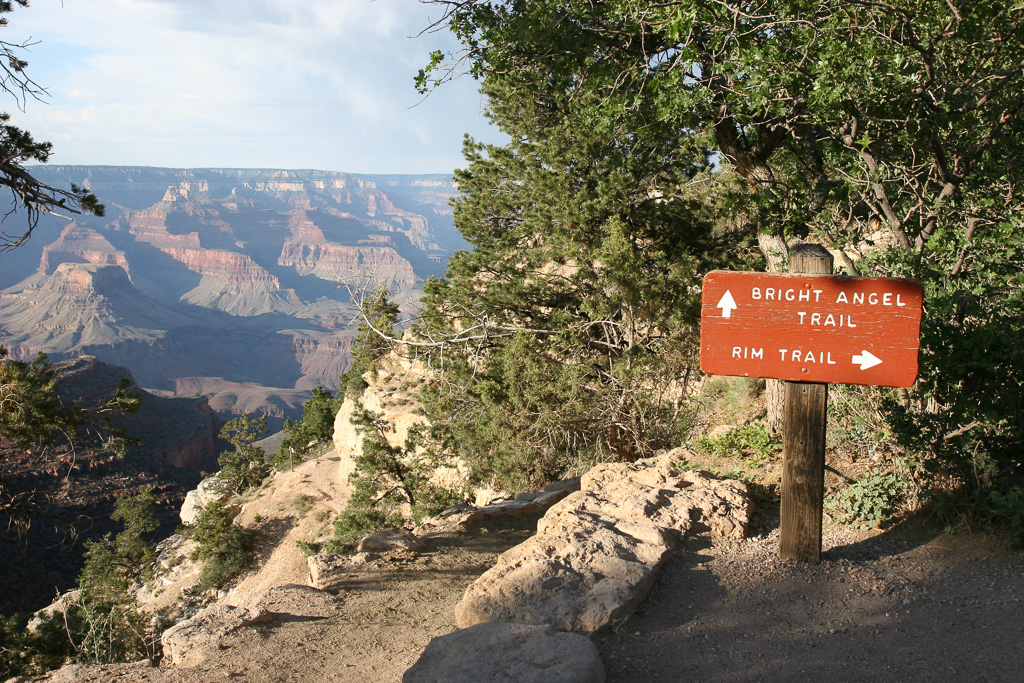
(325, 84)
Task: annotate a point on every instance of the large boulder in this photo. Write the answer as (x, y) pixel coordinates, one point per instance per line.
(508, 653)
(329, 571)
(597, 553)
(188, 643)
(209, 490)
(387, 540)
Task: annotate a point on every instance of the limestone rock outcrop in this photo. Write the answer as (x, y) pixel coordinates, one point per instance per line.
(387, 540)
(187, 642)
(209, 490)
(597, 552)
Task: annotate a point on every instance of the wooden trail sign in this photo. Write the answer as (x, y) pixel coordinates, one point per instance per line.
(811, 328)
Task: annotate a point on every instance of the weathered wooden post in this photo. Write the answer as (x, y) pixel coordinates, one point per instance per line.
(803, 442)
(809, 328)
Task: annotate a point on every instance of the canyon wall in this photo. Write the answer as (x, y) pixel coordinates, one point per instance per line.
(222, 282)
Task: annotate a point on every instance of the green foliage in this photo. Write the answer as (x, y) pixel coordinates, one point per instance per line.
(246, 465)
(308, 548)
(33, 416)
(30, 412)
(753, 441)
(390, 484)
(962, 424)
(222, 544)
(891, 132)
(26, 653)
(309, 434)
(566, 335)
(19, 148)
(857, 425)
(113, 564)
(731, 400)
(870, 502)
(380, 315)
(1007, 506)
(101, 622)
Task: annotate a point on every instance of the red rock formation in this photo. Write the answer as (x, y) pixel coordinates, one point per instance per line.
(178, 431)
(266, 246)
(79, 244)
(197, 450)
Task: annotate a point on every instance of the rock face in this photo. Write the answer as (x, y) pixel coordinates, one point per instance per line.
(389, 539)
(196, 500)
(391, 392)
(178, 431)
(227, 277)
(188, 642)
(597, 552)
(508, 653)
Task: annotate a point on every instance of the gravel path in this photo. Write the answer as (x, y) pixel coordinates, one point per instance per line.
(911, 604)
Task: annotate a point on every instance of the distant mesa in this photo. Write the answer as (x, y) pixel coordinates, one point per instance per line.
(215, 279)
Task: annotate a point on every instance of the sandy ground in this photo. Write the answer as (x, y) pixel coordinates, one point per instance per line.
(911, 604)
(908, 604)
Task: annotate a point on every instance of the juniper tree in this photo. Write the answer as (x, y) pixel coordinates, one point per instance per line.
(18, 147)
(891, 132)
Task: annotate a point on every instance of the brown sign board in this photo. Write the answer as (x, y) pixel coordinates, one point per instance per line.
(811, 328)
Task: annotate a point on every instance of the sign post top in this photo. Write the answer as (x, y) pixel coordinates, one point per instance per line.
(811, 328)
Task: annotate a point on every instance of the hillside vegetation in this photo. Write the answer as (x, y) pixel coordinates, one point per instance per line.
(650, 144)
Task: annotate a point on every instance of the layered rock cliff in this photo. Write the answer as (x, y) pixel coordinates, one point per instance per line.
(226, 275)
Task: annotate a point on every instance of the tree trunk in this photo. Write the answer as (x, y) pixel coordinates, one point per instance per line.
(776, 254)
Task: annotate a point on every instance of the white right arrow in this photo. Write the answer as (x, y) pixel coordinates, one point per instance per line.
(727, 304)
(866, 359)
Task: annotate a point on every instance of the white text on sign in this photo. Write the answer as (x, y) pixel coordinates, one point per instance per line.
(808, 294)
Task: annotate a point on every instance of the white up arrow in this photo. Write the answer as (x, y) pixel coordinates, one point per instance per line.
(727, 304)
(867, 360)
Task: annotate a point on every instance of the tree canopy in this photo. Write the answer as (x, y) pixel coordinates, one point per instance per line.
(34, 417)
(653, 142)
(30, 197)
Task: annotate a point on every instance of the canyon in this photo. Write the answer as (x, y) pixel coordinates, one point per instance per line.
(227, 283)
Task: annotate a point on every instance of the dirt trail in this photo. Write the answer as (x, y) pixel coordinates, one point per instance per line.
(911, 604)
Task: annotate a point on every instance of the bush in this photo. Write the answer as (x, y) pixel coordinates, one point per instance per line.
(369, 347)
(101, 623)
(870, 502)
(961, 426)
(245, 466)
(222, 544)
(390, 485)
(754, 441)
(309, 434)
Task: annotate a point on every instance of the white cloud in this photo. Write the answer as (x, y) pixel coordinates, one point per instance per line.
(290, 83)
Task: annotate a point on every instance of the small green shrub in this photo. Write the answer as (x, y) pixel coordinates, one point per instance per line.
(308, 548)
(245, 466)
(1007, 506)
(870, 502)
(753, 441)
(355, 522)
(222, 544)
(302, 504)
